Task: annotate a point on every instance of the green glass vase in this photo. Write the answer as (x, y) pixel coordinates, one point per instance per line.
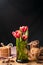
(22, 54)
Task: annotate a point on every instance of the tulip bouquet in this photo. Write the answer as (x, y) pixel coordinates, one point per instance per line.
(21, 36)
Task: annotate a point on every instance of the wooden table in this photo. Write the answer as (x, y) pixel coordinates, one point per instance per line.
(15, 63)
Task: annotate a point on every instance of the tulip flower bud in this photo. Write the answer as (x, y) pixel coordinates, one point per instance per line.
(23, 28)
(16, 34)
(24, 37)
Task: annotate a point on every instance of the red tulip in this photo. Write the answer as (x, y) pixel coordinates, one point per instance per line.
(16, 34)
(24, 37)
(23, 28)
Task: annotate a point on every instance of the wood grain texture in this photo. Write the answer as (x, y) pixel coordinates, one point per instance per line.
(15, 63)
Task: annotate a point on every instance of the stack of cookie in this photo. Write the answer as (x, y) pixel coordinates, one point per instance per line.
(5, 51)
(40, 57)
(34, 50)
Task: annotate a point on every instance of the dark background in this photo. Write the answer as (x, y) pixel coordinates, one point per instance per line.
(15, 13)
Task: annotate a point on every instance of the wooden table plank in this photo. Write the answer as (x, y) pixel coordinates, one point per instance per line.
(15, 63)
